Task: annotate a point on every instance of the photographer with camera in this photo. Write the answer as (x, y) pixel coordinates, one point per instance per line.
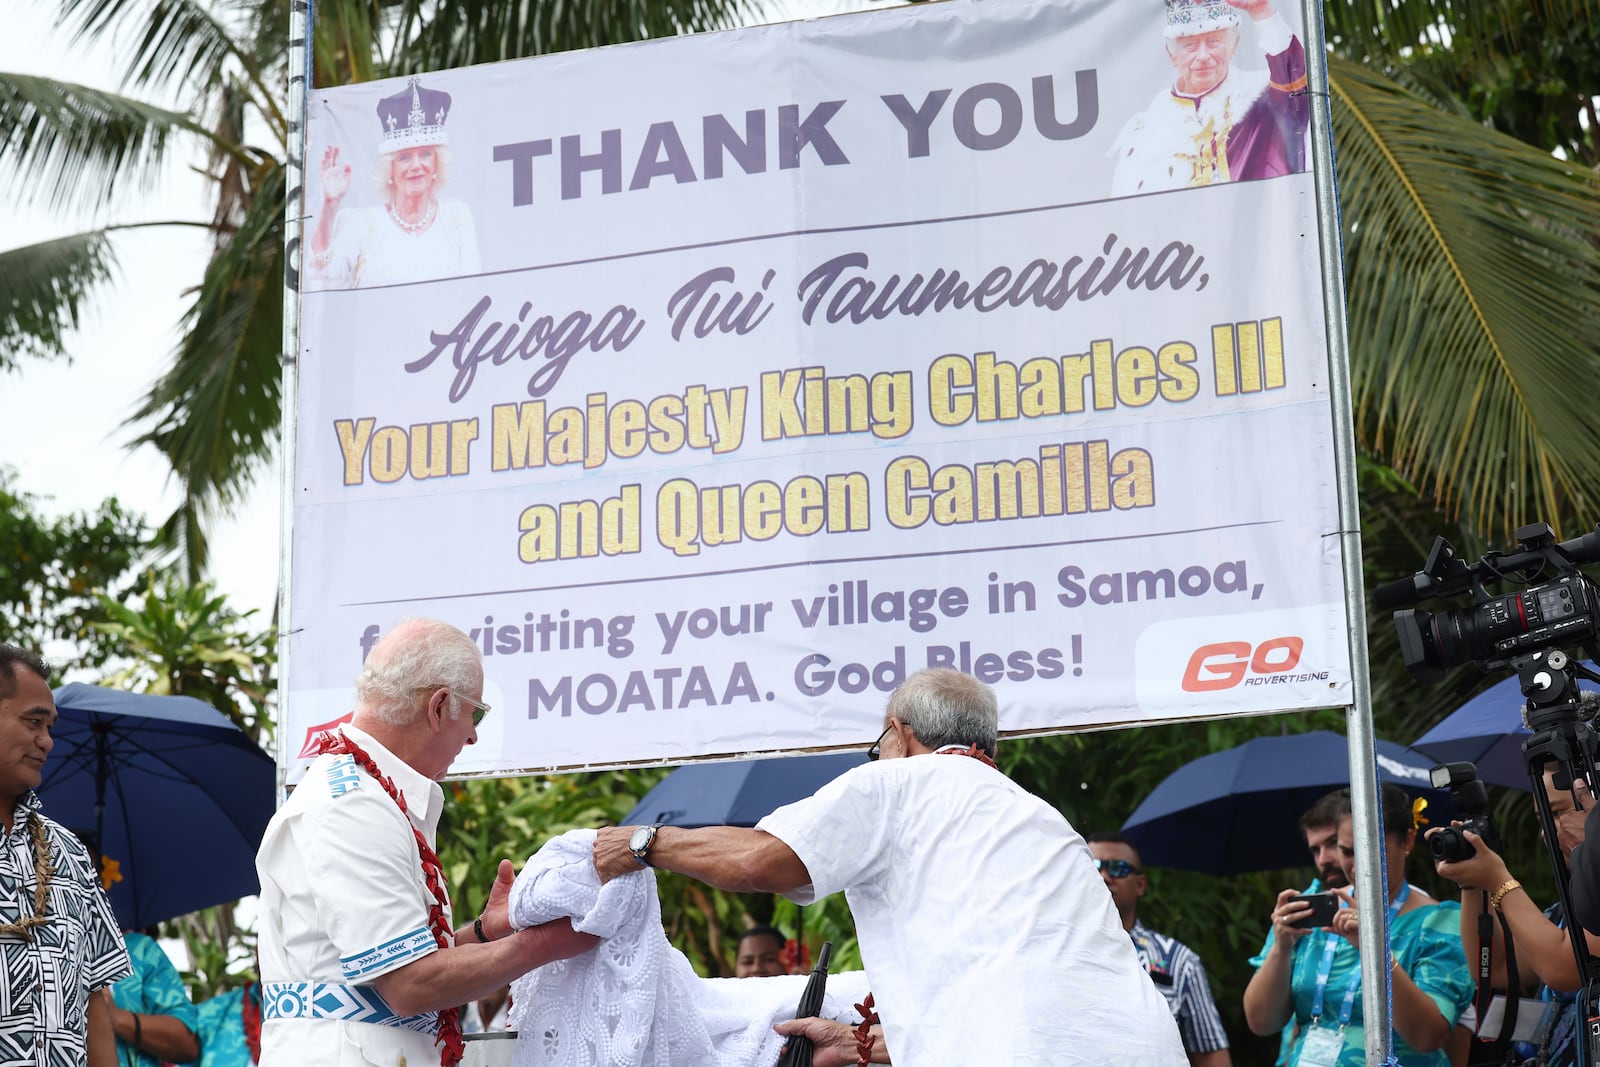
(1313, 976)
(1540, 939)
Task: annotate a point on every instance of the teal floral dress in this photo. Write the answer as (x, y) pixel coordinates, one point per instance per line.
(1427, 945)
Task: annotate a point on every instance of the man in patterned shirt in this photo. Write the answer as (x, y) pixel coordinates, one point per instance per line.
(59, 942)
(1174, 968)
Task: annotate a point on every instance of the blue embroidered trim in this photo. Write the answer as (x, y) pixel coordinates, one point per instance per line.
(325, 1000)
(418, 942)
(343, 775)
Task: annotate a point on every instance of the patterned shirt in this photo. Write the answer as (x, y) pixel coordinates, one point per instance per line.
(154, 988)
(1181, 978)
(222, 1042)
(1427, 945)
(45, 980)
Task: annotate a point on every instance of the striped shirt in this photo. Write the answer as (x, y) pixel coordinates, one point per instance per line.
(1181, 978)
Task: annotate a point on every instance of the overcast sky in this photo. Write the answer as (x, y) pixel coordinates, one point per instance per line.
(62, 426)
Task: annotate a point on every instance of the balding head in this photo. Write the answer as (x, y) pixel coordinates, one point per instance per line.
(418, 655)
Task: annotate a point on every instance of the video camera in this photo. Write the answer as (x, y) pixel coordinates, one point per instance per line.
(1472, 804)
(1494, 630)
(1521, 632)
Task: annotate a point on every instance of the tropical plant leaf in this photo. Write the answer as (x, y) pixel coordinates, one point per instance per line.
(1463, 247)
(42, 292)
(215, 413)
(435, 36)
(73, 146)
(1418, 29)
(159, 41)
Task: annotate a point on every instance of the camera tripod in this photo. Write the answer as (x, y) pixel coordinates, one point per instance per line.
(1563, 736)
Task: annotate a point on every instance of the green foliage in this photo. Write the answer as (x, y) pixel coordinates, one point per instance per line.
(178, 639)
(186, 640)
(57, 574)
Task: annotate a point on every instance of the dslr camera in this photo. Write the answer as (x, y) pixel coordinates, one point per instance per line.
(1472, 805)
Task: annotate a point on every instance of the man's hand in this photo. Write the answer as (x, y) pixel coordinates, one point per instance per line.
(1256, 9)
(1569, 824)
(497, 912)
(612, 857)
(835, 1042)
(1484, 869)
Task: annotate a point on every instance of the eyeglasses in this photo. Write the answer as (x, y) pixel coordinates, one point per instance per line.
(1116, 868)
(877, 746)
(479, 708)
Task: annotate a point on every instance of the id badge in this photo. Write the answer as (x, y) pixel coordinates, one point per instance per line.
(1321, 1047)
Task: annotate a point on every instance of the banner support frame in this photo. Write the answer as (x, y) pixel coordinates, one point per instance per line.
(301, 22)
(1366, 809)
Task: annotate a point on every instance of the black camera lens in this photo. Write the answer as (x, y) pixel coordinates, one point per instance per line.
(1449, 845)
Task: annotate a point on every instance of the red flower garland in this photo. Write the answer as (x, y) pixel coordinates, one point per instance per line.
(864, 1040)
(449, 1037)
(250, 1015)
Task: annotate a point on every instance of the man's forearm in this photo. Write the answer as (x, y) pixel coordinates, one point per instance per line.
(161, 1036)
(102, 1039)
(728, 857)
(453, 976)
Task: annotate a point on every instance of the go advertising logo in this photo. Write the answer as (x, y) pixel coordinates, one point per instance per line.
(1261, 661)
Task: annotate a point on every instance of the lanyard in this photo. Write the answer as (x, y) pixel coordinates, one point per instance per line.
(1330, 945)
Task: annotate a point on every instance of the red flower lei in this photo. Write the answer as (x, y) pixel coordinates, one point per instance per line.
(432, 872)
(864, 1041)
(250, 1013)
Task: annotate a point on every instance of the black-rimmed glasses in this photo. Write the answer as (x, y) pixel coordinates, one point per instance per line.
(1116, 868)
(877, 746)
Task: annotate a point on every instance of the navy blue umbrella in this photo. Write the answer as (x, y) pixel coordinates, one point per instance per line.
(1239, 810)
(738, 794)
(168, 788)
(1488, 731)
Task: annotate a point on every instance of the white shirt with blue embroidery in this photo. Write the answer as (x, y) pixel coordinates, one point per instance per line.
(343, 902)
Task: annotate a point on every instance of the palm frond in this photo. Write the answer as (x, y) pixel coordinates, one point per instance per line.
(75, 146)
(214, 414)
(159, 40)
(1366, 29)
(435, 36)
(1473, 267)
(43, 288)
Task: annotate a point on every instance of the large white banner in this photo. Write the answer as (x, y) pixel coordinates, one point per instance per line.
(715, 384)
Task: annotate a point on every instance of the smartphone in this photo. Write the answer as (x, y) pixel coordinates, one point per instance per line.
(1323, 907)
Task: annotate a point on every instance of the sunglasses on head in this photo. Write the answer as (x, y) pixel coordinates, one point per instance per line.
(1116, 868)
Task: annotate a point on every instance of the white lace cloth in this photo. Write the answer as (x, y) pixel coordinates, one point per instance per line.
(635, 1001)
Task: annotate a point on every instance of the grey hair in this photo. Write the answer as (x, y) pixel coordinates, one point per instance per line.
(418, 654)
(945, 707)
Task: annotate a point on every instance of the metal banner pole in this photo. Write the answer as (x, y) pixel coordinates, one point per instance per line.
(1370, 878)
(300, 23)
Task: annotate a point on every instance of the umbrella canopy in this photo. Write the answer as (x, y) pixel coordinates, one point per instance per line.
(1239, 810)
(169, 789)
(1488, 731)
(738, 794)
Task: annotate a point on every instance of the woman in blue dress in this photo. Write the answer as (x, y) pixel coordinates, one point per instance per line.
(1313, 977)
